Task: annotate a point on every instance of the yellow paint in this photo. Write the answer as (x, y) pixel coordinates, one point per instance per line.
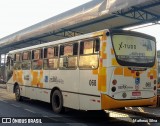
(95, 72)
(104, 56)
(112, 51)
(114, 62)
(18, 76)
(109, 103)
(97, 34)
(101, 72)
(152, 72)
(102, 79)
(104, 36)
(14, 76)
(102, 83)
(118, 71)
(127, 72)
(104, 44)
(36, 81)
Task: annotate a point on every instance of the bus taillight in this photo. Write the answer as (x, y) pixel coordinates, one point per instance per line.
(113, 89)
(114, 82)
(137, 73)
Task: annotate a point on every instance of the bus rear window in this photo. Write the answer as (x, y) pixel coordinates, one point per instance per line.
(134, 50)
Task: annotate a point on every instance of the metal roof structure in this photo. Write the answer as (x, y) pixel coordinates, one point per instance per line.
(92, 16)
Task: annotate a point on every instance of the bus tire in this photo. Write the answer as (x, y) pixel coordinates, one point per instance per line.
(57, 102)
(18, 94)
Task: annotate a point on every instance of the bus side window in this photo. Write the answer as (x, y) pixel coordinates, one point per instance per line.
(88, 58)
(97, 45)
(26, 63)
(37, 61)
(17, 61)
(68, 56)
(51, 58)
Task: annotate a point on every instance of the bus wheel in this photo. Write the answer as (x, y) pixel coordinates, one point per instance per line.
(17, 93)
(57, 102)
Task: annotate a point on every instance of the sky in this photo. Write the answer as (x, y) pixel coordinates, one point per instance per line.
(19, 14)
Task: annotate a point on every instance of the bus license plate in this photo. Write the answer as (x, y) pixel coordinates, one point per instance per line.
(136, 93)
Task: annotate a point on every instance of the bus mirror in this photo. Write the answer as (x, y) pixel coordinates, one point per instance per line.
(97, 45)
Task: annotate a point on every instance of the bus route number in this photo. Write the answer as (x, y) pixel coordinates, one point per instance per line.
(92, 82)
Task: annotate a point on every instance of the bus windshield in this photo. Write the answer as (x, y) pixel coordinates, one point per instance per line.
(133, 50)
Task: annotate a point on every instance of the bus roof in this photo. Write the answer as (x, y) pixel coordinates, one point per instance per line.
(93, 34)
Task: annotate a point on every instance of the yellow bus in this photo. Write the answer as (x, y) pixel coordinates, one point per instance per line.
(102, 70)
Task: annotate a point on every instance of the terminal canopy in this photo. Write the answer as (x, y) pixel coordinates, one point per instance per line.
(92, 16)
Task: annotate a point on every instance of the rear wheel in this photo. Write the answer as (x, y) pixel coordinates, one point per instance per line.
(17, 93)
(57, 102)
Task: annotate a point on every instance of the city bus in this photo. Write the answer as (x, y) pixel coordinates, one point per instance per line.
(102, 70)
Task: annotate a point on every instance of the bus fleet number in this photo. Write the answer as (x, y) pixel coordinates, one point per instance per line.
(92, 82)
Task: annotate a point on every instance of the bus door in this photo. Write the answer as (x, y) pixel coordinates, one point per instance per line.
(88, 63)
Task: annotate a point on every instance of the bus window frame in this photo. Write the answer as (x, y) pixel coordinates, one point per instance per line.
(62, 55)
(54, 57)
(135, 34)
(26, 60)
(93, 53)
(17, 62)
(39, 59)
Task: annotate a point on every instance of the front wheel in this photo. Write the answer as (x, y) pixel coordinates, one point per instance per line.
(17, 93)
(57, 102)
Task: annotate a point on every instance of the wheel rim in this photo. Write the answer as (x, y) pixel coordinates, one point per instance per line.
(56, 101)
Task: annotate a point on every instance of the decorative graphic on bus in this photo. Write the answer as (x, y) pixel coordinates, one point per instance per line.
(137, 80)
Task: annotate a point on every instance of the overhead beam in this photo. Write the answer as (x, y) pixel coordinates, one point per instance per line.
(138, 13)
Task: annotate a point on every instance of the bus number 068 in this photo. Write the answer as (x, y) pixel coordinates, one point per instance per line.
(92, 82)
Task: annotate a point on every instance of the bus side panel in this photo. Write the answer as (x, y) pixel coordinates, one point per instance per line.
(44, 92)
(67, 81)
(88, 90)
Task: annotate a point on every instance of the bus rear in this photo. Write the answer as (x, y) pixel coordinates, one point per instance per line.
(131, 70)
